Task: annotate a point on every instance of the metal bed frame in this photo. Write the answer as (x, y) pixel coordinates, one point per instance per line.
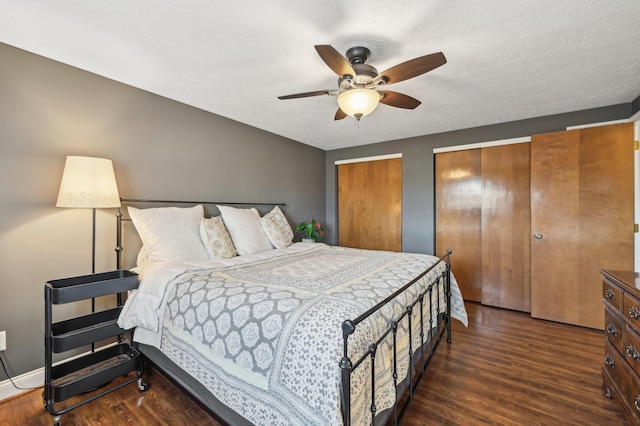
(419, 358)
(427, 346)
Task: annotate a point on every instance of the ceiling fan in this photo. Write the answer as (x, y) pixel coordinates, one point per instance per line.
(359, 84)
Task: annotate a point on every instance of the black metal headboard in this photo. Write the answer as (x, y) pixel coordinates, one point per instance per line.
(120, 219)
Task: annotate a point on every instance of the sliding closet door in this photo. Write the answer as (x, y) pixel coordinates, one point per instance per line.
(506, 221)
(458, 217)
(581, 219)
(370, 205)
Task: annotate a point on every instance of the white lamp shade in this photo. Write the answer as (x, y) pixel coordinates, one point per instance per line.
(358, 102)
(88, 182)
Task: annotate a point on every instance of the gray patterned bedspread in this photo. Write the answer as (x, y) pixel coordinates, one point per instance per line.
(265, 337)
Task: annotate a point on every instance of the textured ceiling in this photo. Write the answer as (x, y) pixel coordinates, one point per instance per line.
(507, 59)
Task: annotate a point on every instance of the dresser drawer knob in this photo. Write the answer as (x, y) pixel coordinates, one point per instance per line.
(634, 312)
(632, 352)
(608, 359)
(609, 294)
(637, 402)
(611, 329)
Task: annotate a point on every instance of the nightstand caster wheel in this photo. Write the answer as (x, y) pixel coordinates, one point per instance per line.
(142, 386)
(607, 393)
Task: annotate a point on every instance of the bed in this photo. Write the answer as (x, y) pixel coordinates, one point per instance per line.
(296, 333)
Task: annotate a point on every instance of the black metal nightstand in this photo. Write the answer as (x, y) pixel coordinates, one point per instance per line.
(99, 367)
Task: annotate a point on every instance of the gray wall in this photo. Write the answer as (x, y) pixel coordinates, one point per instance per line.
(635, 105)
(418, 221)
(160, 149)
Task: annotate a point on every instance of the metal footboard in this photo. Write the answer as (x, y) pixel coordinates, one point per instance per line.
(418, 357)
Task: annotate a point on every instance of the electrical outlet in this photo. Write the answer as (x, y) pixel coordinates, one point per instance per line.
(3, 341)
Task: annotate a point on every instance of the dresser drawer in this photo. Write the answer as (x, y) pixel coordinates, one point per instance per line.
(614, 328)
(631, 309)
(625, 381)
(612, 294)
(613, 363)
(632, 348)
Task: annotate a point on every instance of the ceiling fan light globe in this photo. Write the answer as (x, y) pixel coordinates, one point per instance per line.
(358, 102)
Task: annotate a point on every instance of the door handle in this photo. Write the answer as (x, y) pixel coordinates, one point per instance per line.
(537, 236)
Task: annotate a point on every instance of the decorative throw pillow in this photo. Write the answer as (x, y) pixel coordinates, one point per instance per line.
(245, 230)
(277, 228)
(216, 238)
(170, 233)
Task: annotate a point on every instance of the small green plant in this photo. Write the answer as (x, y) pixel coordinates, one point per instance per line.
(312, 229)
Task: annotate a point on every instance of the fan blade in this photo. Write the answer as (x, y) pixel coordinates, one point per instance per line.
(340, 114)
(413, 68)
(398, 100)
(307, 94)
(335, 60)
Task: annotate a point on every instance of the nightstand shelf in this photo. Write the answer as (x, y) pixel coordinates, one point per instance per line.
(96, 369)
(72, 289)
(76, 332)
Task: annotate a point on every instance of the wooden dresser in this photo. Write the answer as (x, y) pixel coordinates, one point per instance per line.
(621, 369)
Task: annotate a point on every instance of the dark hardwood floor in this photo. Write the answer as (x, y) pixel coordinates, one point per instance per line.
(505, 369)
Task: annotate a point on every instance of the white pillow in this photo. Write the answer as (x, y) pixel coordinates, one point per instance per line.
(216, 238)
(143, 258)
(245, 230)
(277, 228)
(170, 233)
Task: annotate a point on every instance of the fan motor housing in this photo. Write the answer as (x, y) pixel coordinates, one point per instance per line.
(364, 75)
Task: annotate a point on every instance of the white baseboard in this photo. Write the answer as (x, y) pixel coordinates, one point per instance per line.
(31, 379)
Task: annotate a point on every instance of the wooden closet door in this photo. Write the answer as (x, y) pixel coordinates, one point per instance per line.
(370, 205)
(506, 222)
(581, 219)
(555, 160)
(458, 217)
